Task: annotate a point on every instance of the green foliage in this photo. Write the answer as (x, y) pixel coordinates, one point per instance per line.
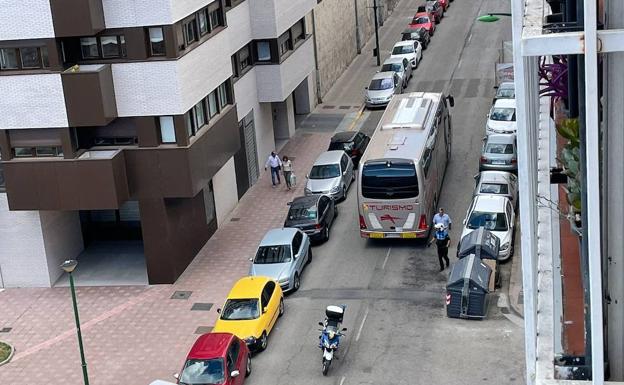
(569, 129)
(5, 350)
(570, 158)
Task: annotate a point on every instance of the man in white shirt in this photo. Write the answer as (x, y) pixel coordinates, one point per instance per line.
(276, 164)
(442, 218)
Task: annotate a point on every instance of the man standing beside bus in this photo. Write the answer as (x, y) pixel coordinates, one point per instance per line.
(443, 218)
(443, 241)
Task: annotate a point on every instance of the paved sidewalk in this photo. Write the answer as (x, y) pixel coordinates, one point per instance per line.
(136, 334)
(516, 295)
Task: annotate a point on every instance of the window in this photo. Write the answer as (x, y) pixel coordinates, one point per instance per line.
(233, 351)
(298, 32)
(283, 42)
(223, 97)
(167, 129)
(30, 57)
(41, 151)
(44, 56)
(272, 254)
(212, 104)
(48, 151)
(244, 59)
(204, 27)
(2, 182)
(8, 59)
(296, 242)
(200, 115)
(157, 42)
(110, 46)
(267, 293)
(189, 120)
(214, 14)
(103, 47)
(115, 141)
(344, 163)
(88, 47)
(389, 180)
(190, 31)
(322, 205)
(263, 49)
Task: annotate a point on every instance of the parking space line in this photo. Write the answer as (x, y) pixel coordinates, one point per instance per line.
(342, 380)
(383, 267)
(359, 333)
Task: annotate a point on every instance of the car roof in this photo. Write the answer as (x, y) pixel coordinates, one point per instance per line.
(403, 42)
(305, 201)
(490, 203)
(495, 177)
(394, 59)
(210, 345)
(422, 14)
(505, 103)
(383, 75)
(281, 236)
(501, 138)
(413, 30)
(344, 136)
(248, 287)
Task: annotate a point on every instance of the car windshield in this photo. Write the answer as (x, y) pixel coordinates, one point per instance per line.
(197, 372)
(325, 171)
(491, 221)
(389, 181)
(300, 212)
(240, 309)
(503, 114)
(272, 254)
(506, 93)
(402, 49)
(345, 146)
(420, 20)
(494, 188)
(396, 67)
(381, 84)
(499, 148)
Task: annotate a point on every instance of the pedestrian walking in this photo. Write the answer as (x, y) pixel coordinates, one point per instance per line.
(276, 164)
(287, 170)
(443, 218)
(443, 241)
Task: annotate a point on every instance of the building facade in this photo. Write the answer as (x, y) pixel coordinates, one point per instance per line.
(140, 119)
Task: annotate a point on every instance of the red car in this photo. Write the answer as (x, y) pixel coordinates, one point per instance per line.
(444, 3)
(424, 20)
(216, 358)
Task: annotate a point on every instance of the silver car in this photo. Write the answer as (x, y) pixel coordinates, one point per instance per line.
(382, 87)
(499, 152)
(399, 65)
(497, 183)
(331, 174)
(282, 255)
(505, 90)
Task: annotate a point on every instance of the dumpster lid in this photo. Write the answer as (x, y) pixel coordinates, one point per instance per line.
(481, 242)
(471, 268)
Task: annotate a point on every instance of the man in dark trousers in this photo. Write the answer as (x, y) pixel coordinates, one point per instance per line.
(443, 241)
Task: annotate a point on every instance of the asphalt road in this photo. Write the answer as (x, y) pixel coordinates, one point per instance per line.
(398, 329)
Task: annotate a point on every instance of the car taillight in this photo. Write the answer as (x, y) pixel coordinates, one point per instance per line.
(483, 159)
(422, 224)
(317, 226)
(354, 152)
(362, 223)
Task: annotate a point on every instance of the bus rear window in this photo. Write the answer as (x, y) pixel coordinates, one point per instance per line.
(389, 181)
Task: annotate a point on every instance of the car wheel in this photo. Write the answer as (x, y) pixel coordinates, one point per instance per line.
(281, 308)
(296, 282)
(344, 192)
(336, 211)
(248, 367)
(309, 255)
(263, 341)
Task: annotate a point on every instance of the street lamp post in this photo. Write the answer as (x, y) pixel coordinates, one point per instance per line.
(376, 33)
(69, 267)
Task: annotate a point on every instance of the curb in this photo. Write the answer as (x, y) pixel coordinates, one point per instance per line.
(10, 354)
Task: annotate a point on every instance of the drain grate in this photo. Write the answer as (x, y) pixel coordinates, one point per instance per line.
(203, 329)
(328, 107)
(181, 294)
(234, 219)
(344, 107)
(203, 306)
(5, 330)
(521, 298)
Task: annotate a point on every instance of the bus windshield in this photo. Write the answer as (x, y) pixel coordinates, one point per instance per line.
(389, 180)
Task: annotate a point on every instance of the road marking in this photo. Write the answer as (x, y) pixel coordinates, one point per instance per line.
(459, 63)
(359, 333)
(469, 37)
(342, 380)
(357, 117)
(383, 267)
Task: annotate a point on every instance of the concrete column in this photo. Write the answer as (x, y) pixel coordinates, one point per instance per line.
(304, 95)
(284, 119)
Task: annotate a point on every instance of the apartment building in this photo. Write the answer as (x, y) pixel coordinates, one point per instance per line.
(139, 119)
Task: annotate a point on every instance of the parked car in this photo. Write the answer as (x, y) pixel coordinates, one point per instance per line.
(421, 34)
(444, 4)
(282, 255)
(499, 152)
(312, 214)
(382, 87)
(505, 90)
(497, 183)
(434, 8)
(408, 49)
(251, 311)
(216, 358)
(502, 117)
(354, 143)
(424, 20)
(496, 214)
(401, 66)
(331, 174)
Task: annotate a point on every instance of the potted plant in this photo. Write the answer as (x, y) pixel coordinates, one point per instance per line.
(570, 159)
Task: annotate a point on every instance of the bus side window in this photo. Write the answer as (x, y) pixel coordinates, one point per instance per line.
(426, 160)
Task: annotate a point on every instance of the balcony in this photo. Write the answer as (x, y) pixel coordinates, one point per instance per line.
(95, 180)
(77, 17)
(275, 82)
(89, 95)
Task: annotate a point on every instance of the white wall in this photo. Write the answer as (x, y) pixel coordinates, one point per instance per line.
(238, 26)
(22, 252)
(35, 101)
(270, 18)
(137, 13)
(62, 239)
(25, 19)
(225, 191)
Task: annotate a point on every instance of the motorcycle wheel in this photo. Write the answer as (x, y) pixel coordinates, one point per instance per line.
(325, 366)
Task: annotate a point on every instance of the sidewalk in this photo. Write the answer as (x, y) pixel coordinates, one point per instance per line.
(516, 294)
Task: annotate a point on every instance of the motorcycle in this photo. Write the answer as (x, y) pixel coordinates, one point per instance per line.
(330, 334)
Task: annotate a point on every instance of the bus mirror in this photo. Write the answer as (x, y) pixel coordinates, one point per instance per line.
(451, 100)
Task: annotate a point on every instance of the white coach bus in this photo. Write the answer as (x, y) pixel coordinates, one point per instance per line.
(402, 170)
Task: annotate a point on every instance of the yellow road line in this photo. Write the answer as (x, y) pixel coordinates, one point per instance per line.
(357, 117)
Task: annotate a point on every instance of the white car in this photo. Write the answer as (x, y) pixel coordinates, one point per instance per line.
(408, 49)
(498, 183)
(495, 213)
(502, 117)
